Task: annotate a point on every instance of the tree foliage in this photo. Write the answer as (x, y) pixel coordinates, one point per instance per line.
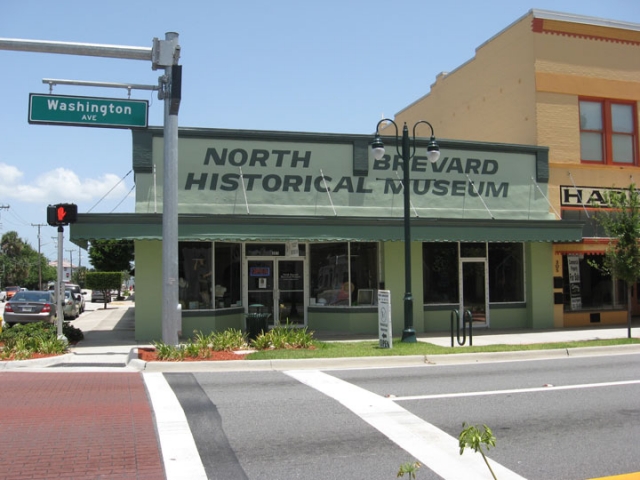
(111, 255)
(621, 223)
(20, 263)
(104, 282)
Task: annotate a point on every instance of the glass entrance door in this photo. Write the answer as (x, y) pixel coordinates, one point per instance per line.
(260, 287)
(276, 287)
(473, 292)
(290, 292)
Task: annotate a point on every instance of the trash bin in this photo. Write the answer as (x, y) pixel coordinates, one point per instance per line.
(257, 320)
(256, 324)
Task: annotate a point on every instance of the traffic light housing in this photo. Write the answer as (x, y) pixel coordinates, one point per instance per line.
(62, 214)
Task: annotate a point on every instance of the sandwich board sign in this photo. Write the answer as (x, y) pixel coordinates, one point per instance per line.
(384, 319)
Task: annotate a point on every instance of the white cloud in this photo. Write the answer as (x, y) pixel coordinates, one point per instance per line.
(58, 185)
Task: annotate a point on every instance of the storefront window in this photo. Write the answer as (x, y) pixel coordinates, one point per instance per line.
(209, 276)
(195, 283)
(586, 287)
(506, 272)
(364, 273)
(441, 263)
(343, 274)
(228, 281)
(440, 271)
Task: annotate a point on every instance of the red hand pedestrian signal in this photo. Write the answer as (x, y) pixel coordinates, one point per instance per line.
(62, 214)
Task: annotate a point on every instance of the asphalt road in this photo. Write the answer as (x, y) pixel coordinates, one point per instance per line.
(575, 418)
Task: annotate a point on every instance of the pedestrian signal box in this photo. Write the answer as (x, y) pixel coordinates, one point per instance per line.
(62, 214)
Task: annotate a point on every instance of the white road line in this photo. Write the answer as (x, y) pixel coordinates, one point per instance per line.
(550, 388)
(179, 451)
(428, 444)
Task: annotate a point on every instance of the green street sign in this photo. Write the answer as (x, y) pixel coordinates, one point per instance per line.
(88, 111)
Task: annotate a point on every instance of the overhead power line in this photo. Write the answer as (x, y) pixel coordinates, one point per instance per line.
(112, 188)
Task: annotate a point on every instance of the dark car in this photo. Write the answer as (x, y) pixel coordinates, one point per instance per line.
(30, 306)
(97, 296)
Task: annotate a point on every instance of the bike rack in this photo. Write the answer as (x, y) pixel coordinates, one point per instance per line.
(455, 318)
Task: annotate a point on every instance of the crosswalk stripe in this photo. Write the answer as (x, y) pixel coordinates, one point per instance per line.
(179, 452)
(433, 447)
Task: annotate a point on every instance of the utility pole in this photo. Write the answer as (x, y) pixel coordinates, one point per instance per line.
(70, 264)
(4, 207)
(39, 255)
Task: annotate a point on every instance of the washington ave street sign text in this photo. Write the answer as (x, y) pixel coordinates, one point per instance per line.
(88, 111)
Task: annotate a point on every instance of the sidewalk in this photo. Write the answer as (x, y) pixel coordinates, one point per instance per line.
(109, 345)
(77, 425)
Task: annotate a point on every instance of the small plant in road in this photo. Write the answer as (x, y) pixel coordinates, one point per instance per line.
(472, 437)
(410, 469)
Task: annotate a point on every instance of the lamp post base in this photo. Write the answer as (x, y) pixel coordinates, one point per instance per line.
(409, 336)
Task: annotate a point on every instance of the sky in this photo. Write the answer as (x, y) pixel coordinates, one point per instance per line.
(334, 66)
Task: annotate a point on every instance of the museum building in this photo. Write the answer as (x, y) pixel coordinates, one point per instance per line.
(310, 227)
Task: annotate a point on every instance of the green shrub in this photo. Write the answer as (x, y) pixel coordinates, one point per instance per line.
(72, 333)
(23, 340)
(284, 336)
(228, 340)
(169, 352)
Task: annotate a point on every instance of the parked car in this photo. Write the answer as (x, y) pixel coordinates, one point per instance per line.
(77, 291)
(79, 294)
(70, 305)
(30, 306)
(97, 296)
(11, 291)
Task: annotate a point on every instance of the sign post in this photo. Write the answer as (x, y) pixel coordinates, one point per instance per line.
(385, 339)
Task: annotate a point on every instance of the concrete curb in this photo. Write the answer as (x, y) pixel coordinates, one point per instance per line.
(381, 362)
(133, 362)
(35, 363)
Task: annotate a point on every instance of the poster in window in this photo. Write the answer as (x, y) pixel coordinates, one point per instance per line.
(573, 263)
(292, 249)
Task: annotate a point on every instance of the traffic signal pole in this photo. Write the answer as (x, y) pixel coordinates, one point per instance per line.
(59, 285)
(164, 54)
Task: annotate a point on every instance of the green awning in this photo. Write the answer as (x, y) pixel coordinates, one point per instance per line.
(320, 229)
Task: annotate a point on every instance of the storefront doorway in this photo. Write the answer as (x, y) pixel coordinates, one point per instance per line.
(474, 288)
(276, 286)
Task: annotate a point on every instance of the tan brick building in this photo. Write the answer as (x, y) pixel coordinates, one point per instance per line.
(572, 84)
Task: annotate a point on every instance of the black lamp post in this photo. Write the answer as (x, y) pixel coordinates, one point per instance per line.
(406, 151)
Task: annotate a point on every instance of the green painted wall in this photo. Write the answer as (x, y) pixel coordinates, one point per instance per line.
(505, 318)
(148, 254)
(341, 320)
(539, 258)
(211, 323)
(393, 267)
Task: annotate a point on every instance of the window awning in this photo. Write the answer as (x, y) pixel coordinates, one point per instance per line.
(587, 247)
(320, 229)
